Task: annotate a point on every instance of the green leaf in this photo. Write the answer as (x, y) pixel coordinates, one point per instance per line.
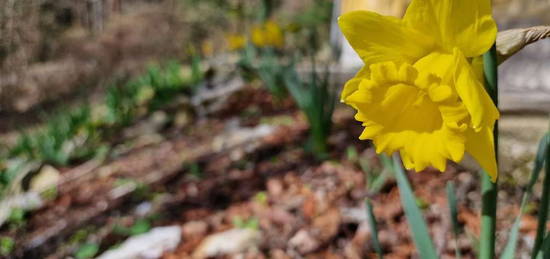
(374, 229)
(87, 251)
(453, 211)
(545, 199)
(511, 245)
(539, 160)
(351, 154)
(7, 244)
(386, 161)
(251, 223)
(417, 224)
(544, 252)
(141, 226)
(377, 179)
(316, 99)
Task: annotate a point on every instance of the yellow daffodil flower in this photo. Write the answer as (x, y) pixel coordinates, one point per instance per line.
(268, 34)
(421, 90)
(235, 41)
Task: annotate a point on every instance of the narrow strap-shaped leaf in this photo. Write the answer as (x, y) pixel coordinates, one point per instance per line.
(511, 245)
(510, 249)
(417, 224)
(544, 205)
(374, 230)
(453, 211)
(539, 159)
(544, 252)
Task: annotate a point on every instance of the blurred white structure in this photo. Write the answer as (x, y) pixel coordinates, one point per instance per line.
(348, 59)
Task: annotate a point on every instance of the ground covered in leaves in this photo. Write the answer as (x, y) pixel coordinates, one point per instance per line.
(238, 184)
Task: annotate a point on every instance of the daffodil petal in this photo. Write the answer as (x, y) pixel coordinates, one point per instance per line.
(353, 84)
(441, 93)
(455, 70)
(482, 110)
(378, 38)
(477, 66)
(409, 111)
(480, 146)
(455, 115)
(455, 146)
(407, 160)
(420, 150)
(466, 24)
(371, 130)
(438, 63)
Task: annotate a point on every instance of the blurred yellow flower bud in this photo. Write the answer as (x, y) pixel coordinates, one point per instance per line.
(235, 41)
(268, 34)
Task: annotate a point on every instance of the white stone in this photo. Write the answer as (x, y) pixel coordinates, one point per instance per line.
(150, 245)
(228, 242)
(47, 178)
(303, 242)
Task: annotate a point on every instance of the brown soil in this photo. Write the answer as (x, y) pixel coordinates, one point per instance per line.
(293, 196)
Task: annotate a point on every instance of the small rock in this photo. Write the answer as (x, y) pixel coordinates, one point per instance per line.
(236, 136)
(143, 209)
(182, 119)
(388, 238)
(25, 201)
(274, 187)
(193, 229)
(280, 216)
(303, 242)
(228, 242)
(354, 215)
(150, 245)
(47, 178)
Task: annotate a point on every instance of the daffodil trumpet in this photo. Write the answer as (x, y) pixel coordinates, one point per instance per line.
(420, 92)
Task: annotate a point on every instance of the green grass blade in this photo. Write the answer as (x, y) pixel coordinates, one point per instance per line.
(510, 249)
(453, 211)
(511, 245)
(544, 252)
(417, 224)
(379, 181)
(544, 204)
(544, 144)
(374, 230)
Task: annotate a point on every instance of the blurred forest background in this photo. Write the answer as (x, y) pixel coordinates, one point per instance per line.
(49, 49)
(193, 134)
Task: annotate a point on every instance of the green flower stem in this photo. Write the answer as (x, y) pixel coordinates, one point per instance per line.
(488, 218)
(489, 189)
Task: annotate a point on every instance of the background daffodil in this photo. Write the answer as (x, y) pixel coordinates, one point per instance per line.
(421, 91)
(235, 41)
(268, 34)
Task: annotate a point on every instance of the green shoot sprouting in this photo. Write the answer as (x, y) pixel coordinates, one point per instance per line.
(272, 73)
(316, 99)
